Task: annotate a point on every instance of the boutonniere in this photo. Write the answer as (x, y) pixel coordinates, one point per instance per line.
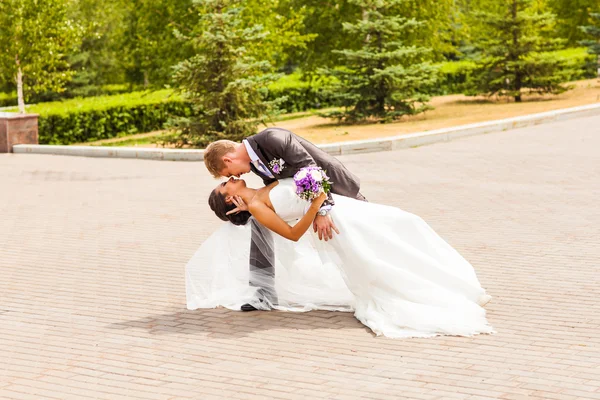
(277, 165)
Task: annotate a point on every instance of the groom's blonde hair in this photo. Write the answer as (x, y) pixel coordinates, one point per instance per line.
(213, 156)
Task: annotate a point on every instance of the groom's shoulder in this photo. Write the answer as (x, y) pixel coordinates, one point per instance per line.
(272, 132)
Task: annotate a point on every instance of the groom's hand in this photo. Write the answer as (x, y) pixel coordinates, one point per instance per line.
(323, 225)
(239, 204)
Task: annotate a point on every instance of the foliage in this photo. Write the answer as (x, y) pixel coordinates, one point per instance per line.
(298, 94)
(457, 76)
(35, 38)
(386, 78)
(326, 24)
(150, 47)
(90, 119)
(593, 44)
(283, 29)
(570, 15)
(225, 84)
(511, 40)
(96, 60)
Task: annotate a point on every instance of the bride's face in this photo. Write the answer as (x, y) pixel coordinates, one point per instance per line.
(231, 187)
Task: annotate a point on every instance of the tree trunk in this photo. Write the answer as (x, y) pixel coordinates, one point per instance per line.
(518, 77)
(598, 65)
(20, 98)
(381, 95)
(146, 81)
(365, 17)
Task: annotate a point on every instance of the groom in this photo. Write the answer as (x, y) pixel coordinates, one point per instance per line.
(274, 154)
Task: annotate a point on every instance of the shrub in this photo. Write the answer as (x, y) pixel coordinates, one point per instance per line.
(90, 119)
(299, 95)
(455, 76)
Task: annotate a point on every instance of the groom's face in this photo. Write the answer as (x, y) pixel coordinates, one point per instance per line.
(234, 167)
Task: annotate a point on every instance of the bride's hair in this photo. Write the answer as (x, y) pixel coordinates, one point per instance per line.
(217, 203)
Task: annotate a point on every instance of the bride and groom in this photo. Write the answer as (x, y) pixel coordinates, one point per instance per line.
(388, 266)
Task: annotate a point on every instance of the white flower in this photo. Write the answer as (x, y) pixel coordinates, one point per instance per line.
(300, 175)
(316, 175)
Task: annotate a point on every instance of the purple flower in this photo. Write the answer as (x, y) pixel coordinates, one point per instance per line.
(310, 181)
(277, 165)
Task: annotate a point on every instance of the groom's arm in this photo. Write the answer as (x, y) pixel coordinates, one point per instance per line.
(286, 146)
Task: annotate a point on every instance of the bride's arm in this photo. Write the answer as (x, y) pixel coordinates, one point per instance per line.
(272, 221)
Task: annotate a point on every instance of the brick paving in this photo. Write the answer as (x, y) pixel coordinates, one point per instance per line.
(92, 301)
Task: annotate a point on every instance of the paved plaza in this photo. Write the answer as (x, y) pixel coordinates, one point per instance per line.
(92, 299)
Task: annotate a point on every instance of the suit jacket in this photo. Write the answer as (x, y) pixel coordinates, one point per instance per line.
(277, 143)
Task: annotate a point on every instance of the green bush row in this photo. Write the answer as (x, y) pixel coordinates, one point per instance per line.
(455, 76)
(117, 121)
(94, 118)
(10, 99)
(299, 95)
(104, 117)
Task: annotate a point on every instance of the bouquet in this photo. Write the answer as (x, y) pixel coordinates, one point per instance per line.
(310, 182)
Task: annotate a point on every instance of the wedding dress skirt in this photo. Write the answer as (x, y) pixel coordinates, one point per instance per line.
(398, 276)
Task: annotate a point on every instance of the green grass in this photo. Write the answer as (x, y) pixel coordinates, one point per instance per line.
(131, 142)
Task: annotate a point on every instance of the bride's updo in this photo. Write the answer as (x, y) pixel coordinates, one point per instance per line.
(217, 203)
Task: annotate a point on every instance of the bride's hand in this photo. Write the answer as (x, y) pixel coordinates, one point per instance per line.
(239, 204)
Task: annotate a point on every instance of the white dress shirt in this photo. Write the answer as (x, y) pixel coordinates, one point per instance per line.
(256, 160)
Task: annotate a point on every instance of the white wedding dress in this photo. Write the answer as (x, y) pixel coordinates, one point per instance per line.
(388, 266)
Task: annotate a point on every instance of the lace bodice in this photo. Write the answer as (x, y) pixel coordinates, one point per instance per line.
(286, 202)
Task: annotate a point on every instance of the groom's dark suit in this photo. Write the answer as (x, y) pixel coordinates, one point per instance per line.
(296, 152)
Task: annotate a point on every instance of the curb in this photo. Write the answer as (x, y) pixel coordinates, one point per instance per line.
(335, 149)
(112, 152)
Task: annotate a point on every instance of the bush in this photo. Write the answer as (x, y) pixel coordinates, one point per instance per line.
(300, 95)
(10, 99)
(94, 118)
(455, 76)
(90, 119)
(7, 100)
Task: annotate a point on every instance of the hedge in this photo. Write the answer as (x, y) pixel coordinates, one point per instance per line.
(455, 75)
(300, 95)
(104, 117)
(10, 99)
(94, 118)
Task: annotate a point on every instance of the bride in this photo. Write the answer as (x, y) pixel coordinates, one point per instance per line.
(387, 265)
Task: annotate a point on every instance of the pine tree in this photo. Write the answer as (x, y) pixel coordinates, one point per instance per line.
(593, 44)
(386, 78)
(224, 83)
(511, 39)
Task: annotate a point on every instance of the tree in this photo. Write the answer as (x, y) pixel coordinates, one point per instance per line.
(511, 39)
(284, 28)
(326, 26)
(436, 31)
(385, 78)
(571, 14)
(224, 83)
(593, 44)
(149, 46)
(35, 39)
(96, 61)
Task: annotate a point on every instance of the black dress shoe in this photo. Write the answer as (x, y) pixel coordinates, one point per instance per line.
(248, 307)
